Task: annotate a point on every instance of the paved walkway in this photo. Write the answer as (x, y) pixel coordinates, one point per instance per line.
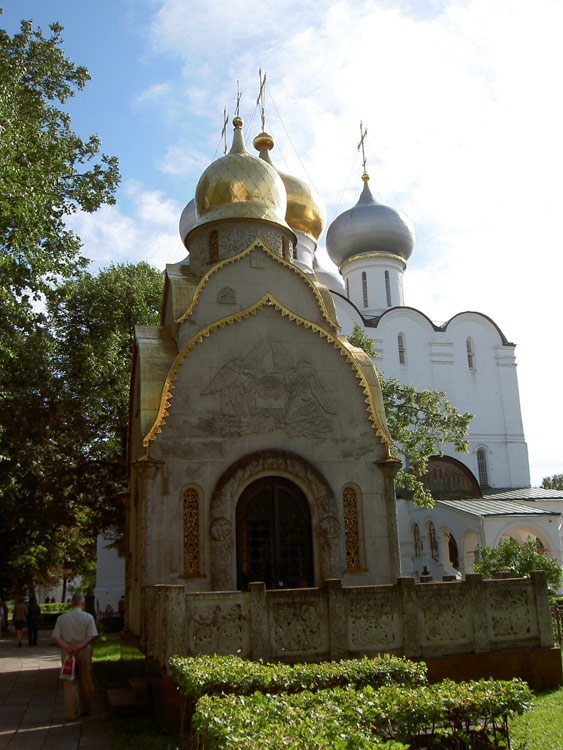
(31, 702)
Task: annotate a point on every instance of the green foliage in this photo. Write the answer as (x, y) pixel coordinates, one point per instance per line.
(554, 482)
(421, 423)
(518, 559)
(63, 422)
(201, 675)
(46, 173)
(367, 718)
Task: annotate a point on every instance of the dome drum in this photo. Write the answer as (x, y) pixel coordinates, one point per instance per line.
(215, 241)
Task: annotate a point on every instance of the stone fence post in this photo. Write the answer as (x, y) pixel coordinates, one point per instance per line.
(543, 610)
(259, 636)
(411, 635)
(336, 619)
(479, 607)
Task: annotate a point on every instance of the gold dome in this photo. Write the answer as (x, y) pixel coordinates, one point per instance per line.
(240, 186)
(305, 209)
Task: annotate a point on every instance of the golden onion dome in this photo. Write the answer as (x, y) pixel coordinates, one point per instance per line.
(305, 208)
(240, 186)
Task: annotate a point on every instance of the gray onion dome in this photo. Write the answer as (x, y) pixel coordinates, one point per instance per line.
(329, 278)
(369, 227)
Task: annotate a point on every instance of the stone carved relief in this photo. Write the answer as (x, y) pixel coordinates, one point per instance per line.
(329, 527)
(237, 477)
(267, 390)
(221, 529)
(372, 621)
(227, 296)
(296, 626)
(511, 613)
(218, 630)
(444, 616)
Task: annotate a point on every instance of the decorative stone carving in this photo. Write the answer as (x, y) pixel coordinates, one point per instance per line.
(218, 630)
(266, 390)
(372, 621)
(329, 527)
(351, 532)
(227, 296)
(511, 613)
(221, 529)
(296, 626)
(444, 615)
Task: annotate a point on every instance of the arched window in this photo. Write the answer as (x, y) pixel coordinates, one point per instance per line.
(402, 349)
(365, 288)
(482, 468)
(434, 551)
(417, 540)
(453, 552)
(387, 289)
(191, 532)
(470, 353)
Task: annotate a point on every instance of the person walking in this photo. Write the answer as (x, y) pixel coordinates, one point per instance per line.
(74, 631)
(33, 615)
(19, 617)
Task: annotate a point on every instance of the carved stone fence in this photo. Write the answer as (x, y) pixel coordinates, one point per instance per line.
(416, 620)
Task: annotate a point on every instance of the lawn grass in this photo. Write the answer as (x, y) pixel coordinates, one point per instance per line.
(134, 732)
(542, 727)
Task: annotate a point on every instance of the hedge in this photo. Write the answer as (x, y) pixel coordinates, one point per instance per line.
(445, 715)
(204, 675)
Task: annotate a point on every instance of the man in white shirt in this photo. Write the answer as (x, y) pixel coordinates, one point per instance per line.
(74, 631)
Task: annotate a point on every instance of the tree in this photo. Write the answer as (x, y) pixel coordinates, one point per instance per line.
(46, 173)
(519, 560)
(62, 428)
(554, 482)
(421, 424)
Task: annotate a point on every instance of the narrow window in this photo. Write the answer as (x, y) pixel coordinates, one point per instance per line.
(417, 541)
(402, 349)
(348, 288)
(482, 468)
(470, 354)
(433, 542)
(214, 247)
(351, 533)
(387, 288)
(365, 288)
(191, 532)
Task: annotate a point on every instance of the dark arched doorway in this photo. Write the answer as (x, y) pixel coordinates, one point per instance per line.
(274, 542)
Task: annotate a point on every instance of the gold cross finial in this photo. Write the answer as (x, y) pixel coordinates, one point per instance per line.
(239, 95)
(363, 133)
(260, 99)
(224, 131)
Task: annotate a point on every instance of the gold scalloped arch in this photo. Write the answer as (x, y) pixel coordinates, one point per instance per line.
(266, 300)
(259, 244)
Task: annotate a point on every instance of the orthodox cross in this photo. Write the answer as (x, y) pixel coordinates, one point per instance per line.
(260, 100)
(239, 95)
(224, 131)
(363, 133)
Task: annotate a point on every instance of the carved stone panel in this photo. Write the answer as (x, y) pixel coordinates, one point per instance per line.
(510, 613)
(444, 615)
(267, 390)
(217, 629)
(296, 626)
(227, 296)
(373, 620)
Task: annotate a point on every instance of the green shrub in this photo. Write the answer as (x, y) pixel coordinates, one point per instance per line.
(201, 675)
(442, 715)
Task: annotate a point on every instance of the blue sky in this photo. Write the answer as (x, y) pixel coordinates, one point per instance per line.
(461, 102)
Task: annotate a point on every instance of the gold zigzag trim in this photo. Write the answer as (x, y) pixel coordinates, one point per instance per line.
(268, 299)
(259, 243)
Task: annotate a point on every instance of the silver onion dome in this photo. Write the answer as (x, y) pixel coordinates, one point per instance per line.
(188, 220)
(369, 227)
(329, 278)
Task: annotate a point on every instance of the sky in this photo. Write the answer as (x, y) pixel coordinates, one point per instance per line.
(462, 103)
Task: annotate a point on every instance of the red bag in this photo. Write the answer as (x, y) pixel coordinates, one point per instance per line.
(67, 670)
